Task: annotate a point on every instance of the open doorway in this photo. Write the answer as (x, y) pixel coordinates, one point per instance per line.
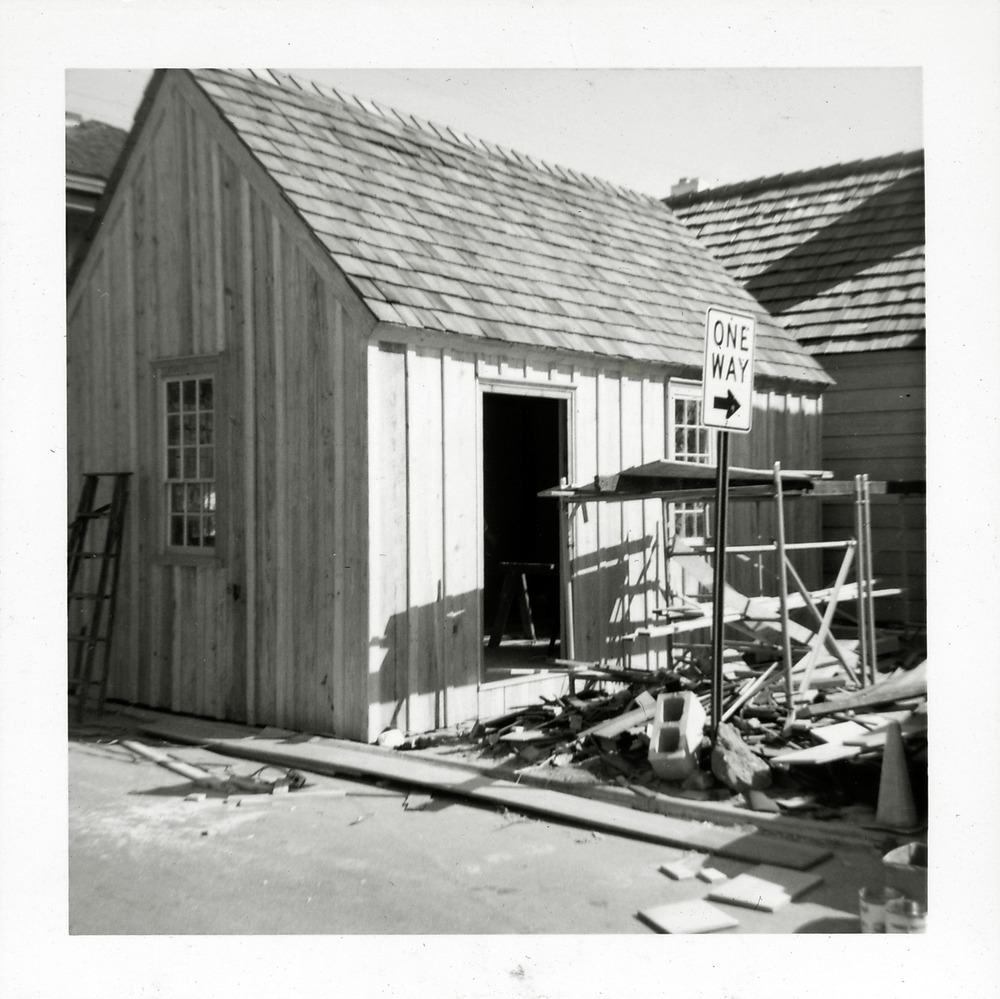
(524, 452)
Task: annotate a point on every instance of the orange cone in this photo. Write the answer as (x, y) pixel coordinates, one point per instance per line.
(896, 809)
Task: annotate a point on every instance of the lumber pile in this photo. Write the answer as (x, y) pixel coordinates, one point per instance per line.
(817, 756)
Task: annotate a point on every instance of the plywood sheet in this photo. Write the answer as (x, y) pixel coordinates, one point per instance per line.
(765, 887)
(695, 916)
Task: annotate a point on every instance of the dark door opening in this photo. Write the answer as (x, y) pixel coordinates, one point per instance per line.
(524, 452)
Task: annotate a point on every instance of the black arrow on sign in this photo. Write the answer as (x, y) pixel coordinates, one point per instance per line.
(728, 402)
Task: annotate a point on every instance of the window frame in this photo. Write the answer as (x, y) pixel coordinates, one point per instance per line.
(687, 391)
(182, 369)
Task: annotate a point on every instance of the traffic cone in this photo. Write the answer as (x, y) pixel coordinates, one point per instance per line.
(896, 809)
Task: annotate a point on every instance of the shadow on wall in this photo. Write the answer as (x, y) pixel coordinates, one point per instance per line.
(433, 646)
(880, 228)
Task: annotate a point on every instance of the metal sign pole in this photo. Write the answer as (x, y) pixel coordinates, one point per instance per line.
(719, 578)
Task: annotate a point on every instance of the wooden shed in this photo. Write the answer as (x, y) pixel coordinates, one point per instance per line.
(342, 350)
(837, 253)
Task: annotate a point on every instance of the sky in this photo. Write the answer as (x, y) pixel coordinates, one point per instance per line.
(640, 128)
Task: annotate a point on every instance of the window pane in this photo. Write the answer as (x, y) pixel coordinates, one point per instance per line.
(190, 452)
(205, 394)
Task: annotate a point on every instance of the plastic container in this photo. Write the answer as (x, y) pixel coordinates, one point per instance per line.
(871, 907)
(904, 915)
(906, 871)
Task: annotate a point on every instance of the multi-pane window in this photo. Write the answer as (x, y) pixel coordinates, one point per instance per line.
(689, 441)
(190, 461)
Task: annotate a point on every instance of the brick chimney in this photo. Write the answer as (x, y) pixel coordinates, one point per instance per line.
(686, 185)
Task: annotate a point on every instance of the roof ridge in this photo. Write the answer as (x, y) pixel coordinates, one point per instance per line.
(910, 158)
(445, 133)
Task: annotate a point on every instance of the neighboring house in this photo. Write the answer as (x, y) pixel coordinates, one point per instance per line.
(338, 348)
(92, 149)
(838, 255)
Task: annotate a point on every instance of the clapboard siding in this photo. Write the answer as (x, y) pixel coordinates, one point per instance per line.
(199, 258)
(874, 420)
(874, 423)
(899, 546)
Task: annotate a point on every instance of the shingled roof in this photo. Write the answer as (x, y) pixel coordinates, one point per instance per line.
(838, 252)
(441, 232)
(92, 148)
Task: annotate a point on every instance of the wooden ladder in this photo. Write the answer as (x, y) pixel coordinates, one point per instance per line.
(92, 591)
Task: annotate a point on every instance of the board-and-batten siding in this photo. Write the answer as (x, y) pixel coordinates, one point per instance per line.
(425, 490)
(199, 259)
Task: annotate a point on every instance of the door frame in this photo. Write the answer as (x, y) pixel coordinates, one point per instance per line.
(565, 392)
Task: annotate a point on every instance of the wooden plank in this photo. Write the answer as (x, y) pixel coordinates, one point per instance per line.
(584, 548)
(387, 491)
(356, 330)
(817, 755)
(654, 438)
(765, 887)
(283, 569)
(907, 686)
(693, 916)
(335, 756)
(265, 483)
(462, 544)
(609, 517)
(328, 625)
(425, 551)
(350, 684)
(248, 523)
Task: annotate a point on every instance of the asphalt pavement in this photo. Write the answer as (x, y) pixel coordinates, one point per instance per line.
(150, 852)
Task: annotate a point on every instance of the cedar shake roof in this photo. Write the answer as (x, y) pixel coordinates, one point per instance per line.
(93, 148)
(838, 253)
(438, 231)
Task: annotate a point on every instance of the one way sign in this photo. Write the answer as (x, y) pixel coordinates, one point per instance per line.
(727, 377)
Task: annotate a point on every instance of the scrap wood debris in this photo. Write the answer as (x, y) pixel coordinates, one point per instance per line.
(818, 756)
(256, 783)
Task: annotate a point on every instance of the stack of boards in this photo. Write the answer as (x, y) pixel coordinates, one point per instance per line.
(765, 888)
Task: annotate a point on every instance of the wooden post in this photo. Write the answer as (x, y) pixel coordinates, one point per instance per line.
(824, 630)
(567, 649)
(869, 575)
(860, 576)
(786, 638)
(719, 578)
